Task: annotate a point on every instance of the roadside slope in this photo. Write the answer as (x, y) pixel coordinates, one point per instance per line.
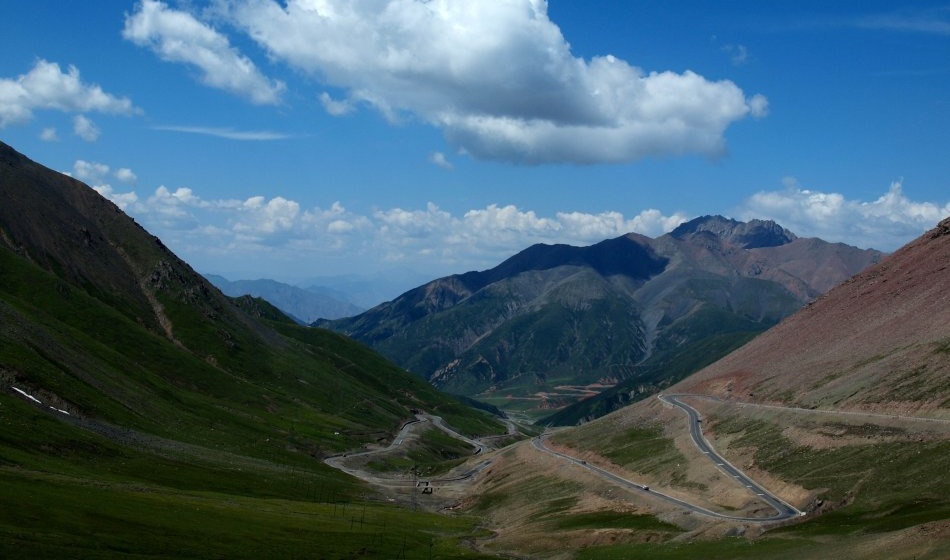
(840, 411)
(879, 342)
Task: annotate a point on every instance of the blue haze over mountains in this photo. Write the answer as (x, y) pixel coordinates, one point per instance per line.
(303, 305)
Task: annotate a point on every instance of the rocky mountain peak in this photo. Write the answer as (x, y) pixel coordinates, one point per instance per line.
(943, 228)
(748, 235)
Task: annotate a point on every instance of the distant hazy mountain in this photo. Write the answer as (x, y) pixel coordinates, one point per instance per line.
(305, 305)
(367, 290)
(558, 323)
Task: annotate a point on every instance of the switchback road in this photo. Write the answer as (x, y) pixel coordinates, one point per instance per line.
(783, 510)
(339, 461)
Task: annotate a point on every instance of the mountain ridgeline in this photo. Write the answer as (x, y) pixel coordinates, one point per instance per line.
(159, 418)
(556, 324)
(879, 342)
(304, 305)
(101, 318)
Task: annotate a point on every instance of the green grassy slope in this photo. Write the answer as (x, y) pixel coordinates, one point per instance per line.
(71, 493)
(879, 486)
(695, 342)
(162, 398)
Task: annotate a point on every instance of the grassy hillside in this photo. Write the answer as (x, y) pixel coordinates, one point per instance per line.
(164, 454)
(711, 333)
(146, 414)
(874, 486)
(79, 495)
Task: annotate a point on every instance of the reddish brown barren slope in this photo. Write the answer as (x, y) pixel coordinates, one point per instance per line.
(878, 342)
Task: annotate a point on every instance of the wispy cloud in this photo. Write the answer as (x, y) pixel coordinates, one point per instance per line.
(738, 54)
(336, 107)
(934, 21)
(84, 128)
(49, 135)
(229, 133)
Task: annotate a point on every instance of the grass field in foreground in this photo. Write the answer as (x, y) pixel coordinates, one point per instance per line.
(69, 493)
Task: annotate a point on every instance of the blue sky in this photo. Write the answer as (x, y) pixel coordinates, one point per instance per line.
(308, 138)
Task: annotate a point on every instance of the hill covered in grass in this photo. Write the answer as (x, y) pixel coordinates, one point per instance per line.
(135, 395)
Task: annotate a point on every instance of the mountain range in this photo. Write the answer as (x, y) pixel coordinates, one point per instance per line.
(842, 411)
(556, 324)
(146, 414)
(304, 305)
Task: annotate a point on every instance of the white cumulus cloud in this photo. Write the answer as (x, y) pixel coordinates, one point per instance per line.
(271, 229)
(91, 172)
(885, 223)
(497, 77)
(125, 175)
(262, 218)
(84, 128)
(178, 36)
(439, 159)
(125, 201)
(47, 87)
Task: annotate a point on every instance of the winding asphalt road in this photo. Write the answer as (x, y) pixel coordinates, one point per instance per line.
(338, 461)
(783, 510)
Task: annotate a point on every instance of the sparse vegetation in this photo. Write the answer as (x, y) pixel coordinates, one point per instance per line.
(863, 478)
(639, 449)
(613, 520)
(435, 452)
